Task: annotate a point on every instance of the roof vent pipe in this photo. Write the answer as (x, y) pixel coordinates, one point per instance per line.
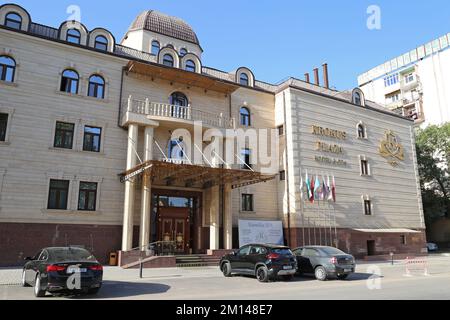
(307, 77)
(326, 81)
(316, 77)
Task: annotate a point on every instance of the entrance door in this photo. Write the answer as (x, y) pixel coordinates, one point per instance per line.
(174, 226)
(371, 247)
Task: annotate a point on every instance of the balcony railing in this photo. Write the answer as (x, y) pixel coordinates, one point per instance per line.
(164, 110)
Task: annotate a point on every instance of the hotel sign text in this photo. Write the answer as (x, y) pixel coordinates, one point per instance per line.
(334, 149)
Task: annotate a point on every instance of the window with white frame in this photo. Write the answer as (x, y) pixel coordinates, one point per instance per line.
(367, 206)
(409, 78)
(364, 166)
(3, 126)
(391, 80)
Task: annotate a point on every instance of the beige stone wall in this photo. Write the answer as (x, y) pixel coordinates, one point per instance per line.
(394, 191)
(29, 160)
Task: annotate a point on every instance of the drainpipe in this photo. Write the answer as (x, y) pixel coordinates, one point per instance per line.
(121, 96)
(287, 170)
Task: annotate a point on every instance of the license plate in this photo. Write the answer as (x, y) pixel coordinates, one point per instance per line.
(76, 270)
(347, 270)
(287, 268)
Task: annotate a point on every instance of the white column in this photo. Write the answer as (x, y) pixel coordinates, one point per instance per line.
(228, 217)
(144, 235)
(128, 212)
(214, 219)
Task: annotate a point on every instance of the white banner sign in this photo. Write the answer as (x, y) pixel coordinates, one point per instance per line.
(264, 232)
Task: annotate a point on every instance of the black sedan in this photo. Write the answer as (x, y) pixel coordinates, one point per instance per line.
(266, 262)
(324, 262)
(63, 270)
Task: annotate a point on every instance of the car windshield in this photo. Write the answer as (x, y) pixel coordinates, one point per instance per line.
(331, 251)
(282, 251)
(71, 254)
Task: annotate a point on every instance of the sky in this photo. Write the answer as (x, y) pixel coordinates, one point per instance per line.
(277, 39)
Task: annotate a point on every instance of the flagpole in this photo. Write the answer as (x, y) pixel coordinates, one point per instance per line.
(309, 232)
(315, 238)
(303, 206)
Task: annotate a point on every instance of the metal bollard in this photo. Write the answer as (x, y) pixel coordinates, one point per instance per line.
(141, 265)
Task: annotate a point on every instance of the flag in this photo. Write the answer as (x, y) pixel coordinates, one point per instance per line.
(330, 193)
(324, 189)
(333, 190)
(310, 186)
(317, 188)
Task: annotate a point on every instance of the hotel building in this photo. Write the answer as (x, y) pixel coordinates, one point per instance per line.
(93, 149)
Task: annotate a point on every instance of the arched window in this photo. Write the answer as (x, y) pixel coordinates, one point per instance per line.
(101, 43)
(7, 69)
(243, 79)
(73, 36)
(168, 60)
(361, 131)
(190, 65)
(183, 52)
(178, 99)
(357, 98)
(13, 20)
(96, 87)
(245, 117)
(179, 104)
(155, 47)
(69, 82)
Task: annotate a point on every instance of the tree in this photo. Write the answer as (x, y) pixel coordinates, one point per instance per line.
(433, 155)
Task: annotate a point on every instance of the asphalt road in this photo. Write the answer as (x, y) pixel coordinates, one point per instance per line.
(379, 281)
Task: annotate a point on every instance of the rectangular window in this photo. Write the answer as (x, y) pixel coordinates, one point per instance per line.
(58, 194)
(87, 198)
(246, 158)
(391, 80)
(92, 137)
(282, 175)
(64, 135)
(409, 78)
(3, 126)
(367, 207)
(281, 130)
(364, 168)
(403, 239)
(247, 202)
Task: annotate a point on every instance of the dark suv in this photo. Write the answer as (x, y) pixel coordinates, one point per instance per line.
(264, 261)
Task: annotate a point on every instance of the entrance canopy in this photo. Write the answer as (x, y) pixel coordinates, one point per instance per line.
(187, 175)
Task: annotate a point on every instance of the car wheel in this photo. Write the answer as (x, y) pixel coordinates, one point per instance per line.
(320, 273)
(342, 276)
(262, 274)
(226, 269)
(93, 291)
(24, 281)
(38, 292)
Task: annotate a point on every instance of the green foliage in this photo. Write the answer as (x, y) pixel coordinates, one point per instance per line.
(433, 155)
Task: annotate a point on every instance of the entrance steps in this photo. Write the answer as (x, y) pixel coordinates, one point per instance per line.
(197, 261)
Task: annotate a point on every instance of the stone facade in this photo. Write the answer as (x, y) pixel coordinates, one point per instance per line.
(134, 129)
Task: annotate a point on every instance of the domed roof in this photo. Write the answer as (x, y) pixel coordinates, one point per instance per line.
(170, 26)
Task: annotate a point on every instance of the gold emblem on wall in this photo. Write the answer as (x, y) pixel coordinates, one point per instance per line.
(391, 149)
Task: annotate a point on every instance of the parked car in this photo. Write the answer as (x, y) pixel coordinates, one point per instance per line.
(61, 270)
(432, 247)
(324, 262)
(266, 262)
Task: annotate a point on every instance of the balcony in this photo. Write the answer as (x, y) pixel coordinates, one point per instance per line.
(167, 112)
